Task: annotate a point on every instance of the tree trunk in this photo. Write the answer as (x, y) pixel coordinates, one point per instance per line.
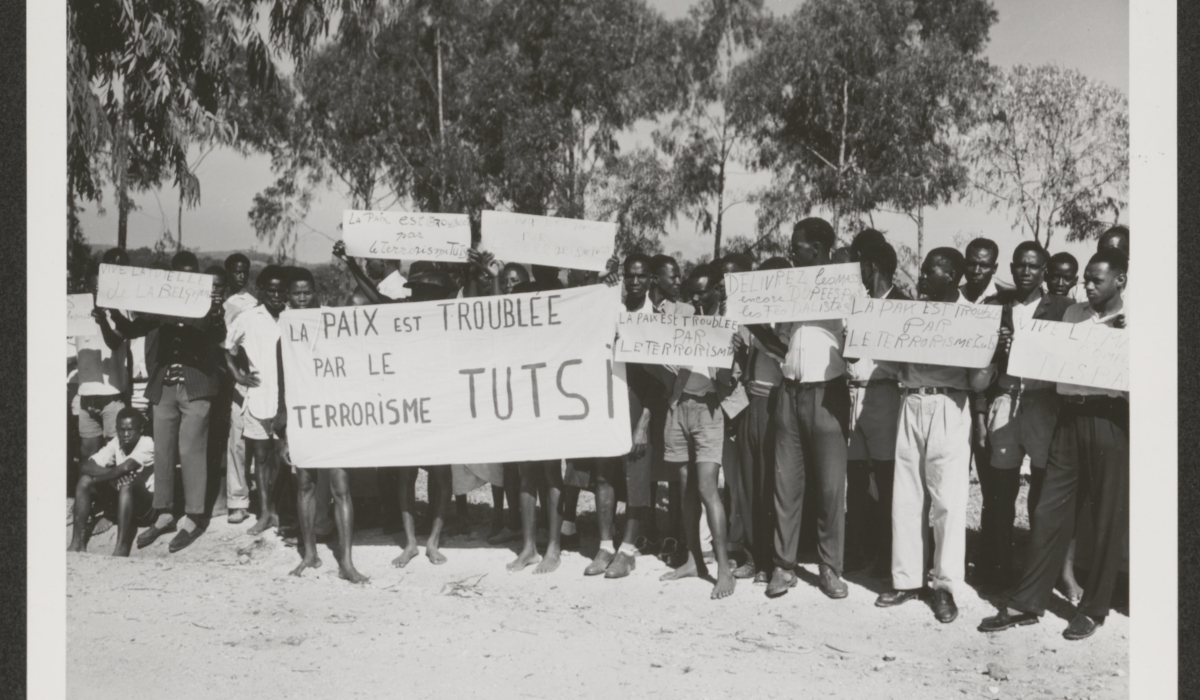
(720, 212)
(920, 235)
(123, 207)
(437, 37)
(179, 223)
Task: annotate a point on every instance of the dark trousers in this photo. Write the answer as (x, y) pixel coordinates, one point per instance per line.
(731, 464)
(1089, 460)
(999, 488)
(869, 522)
(811, 429)
(756, 442)
(180, 422)
(1037, 478)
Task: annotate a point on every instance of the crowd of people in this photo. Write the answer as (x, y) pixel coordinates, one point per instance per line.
(878, 454)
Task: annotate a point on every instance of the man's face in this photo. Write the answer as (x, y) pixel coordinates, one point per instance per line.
(1102, 283)
(376, 268)
(300, 294)
(637, 280)
(1061, 277)
(981, 265)
(510, 279)
(703, 294)
(804, 253)
(667, 281)
(1028, 271)
(428, 292)
(129, 431)
(274, 295)
(936, 279)
(220, 291)
(239, 272)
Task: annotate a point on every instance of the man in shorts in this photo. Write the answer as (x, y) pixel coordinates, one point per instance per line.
(117, 474)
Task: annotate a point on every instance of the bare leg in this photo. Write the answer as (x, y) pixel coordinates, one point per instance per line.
(1071, 587)
(552, 476)
(408, 504)
(528, 555)
(125, 526)
(441, 477)
(306, 507)
(267, 518)
(691, 522)
(343, 512)
(711, 496)
(83, 509)
(606, 509)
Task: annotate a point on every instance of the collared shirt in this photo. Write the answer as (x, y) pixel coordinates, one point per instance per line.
(1023, 312)
(238, 303)
(814, 350)
(258, 332)
(111, 455)
(1084, 313)
(990, 291)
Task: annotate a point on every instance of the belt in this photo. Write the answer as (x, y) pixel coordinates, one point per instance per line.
(810, 385)
(1092, 399)
(931, 390)
(702, 398)
(864, 383)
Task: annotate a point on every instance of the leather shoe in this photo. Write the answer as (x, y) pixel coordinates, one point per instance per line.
(1081, 627)
(620, 566)
(1006, 619)
(182, 539)
(831, 584)
(745, 570)
(891, 599)
(152, 533)
(944, 608)
(600, 564)
(760, 578)
(781, 581)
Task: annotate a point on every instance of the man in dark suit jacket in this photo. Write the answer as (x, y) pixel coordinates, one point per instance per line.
(1015, 417)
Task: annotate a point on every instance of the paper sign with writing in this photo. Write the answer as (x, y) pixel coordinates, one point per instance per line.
(1089, 354)
(927, 332)
(793, 294)
(548, 240)
(166, 292)
(79, 316)
(406, 236)
(463, 381)
(672, 339)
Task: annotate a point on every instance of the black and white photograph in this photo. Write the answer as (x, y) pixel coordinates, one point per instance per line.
(602, 348)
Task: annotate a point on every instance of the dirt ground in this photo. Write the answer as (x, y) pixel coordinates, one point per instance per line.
(223, 619)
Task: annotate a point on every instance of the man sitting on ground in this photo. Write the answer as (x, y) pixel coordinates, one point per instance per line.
(120, 469)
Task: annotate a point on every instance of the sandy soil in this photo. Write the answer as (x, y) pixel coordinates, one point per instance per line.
(223, 619)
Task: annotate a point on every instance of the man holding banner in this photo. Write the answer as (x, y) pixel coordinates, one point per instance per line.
(1088, 459)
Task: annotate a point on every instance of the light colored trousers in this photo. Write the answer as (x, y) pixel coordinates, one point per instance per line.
(237, 490)
(932, 482)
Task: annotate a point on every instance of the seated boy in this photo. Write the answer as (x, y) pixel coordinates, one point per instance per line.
(119, 471)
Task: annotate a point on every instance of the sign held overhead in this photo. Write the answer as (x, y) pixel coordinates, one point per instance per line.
(547, 240)
(406, 236)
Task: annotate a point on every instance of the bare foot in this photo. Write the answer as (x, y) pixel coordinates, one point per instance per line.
(526, 558)
(435, 555)
(725, 584)
(121, 550)
(410, 552)
(263, 525)
(311, 561)
(549, 562)
(348, 572)
(688, 570)
(76, 546)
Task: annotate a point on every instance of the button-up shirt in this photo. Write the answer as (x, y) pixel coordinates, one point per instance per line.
(989, 291)
(814, 350)
(258, 332)
(1084, 313)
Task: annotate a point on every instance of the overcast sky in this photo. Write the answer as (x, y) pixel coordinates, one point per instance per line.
(1089, 35)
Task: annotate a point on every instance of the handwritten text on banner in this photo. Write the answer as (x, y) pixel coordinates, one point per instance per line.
(547, 240)
(793, 294)
(406, 236)
(79, 316)
(463, 381)
(166, 292)
(670, 339)
(1089, 354)
(928, 332)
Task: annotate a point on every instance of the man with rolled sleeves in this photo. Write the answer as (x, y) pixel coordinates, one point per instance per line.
(1089, 459)
(933, 453)
(1015, 417)
(810, 427)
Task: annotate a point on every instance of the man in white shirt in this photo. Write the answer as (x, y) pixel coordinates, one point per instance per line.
(121, 469)
(1089, 459)
(237, 490)
(811, 427)
(933, 461)
(979, 280)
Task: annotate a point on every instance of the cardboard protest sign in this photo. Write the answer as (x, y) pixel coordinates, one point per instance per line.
(406, 236)
(165, 292)
(928, 332)
(672, 339)
(79, 316)
(1089, 354)
(462, 381)
(793, 294)
(548, 240)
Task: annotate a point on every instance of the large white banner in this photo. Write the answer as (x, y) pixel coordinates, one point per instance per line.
(548, 240)
(793, 294)
(79, 316)
(406, 236)
(1090, 354)
(928, 332)
(165, 292)
(672, 339)
(463, 381)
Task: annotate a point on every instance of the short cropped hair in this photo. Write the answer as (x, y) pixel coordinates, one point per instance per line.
(743, 261)
(1111, 257)
(637, 258)
(130, 412)
(301, 274)
(985, 243)
(236, 258)
(958, 264)
(865, 237)
(775, 263)
(115, 256)
(184, 258)
(814, 229)
(712, 272)
(881, 254)
(1026, 246)
(268, 273)
(218, 272)
(659, 261)
(1064, 257)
